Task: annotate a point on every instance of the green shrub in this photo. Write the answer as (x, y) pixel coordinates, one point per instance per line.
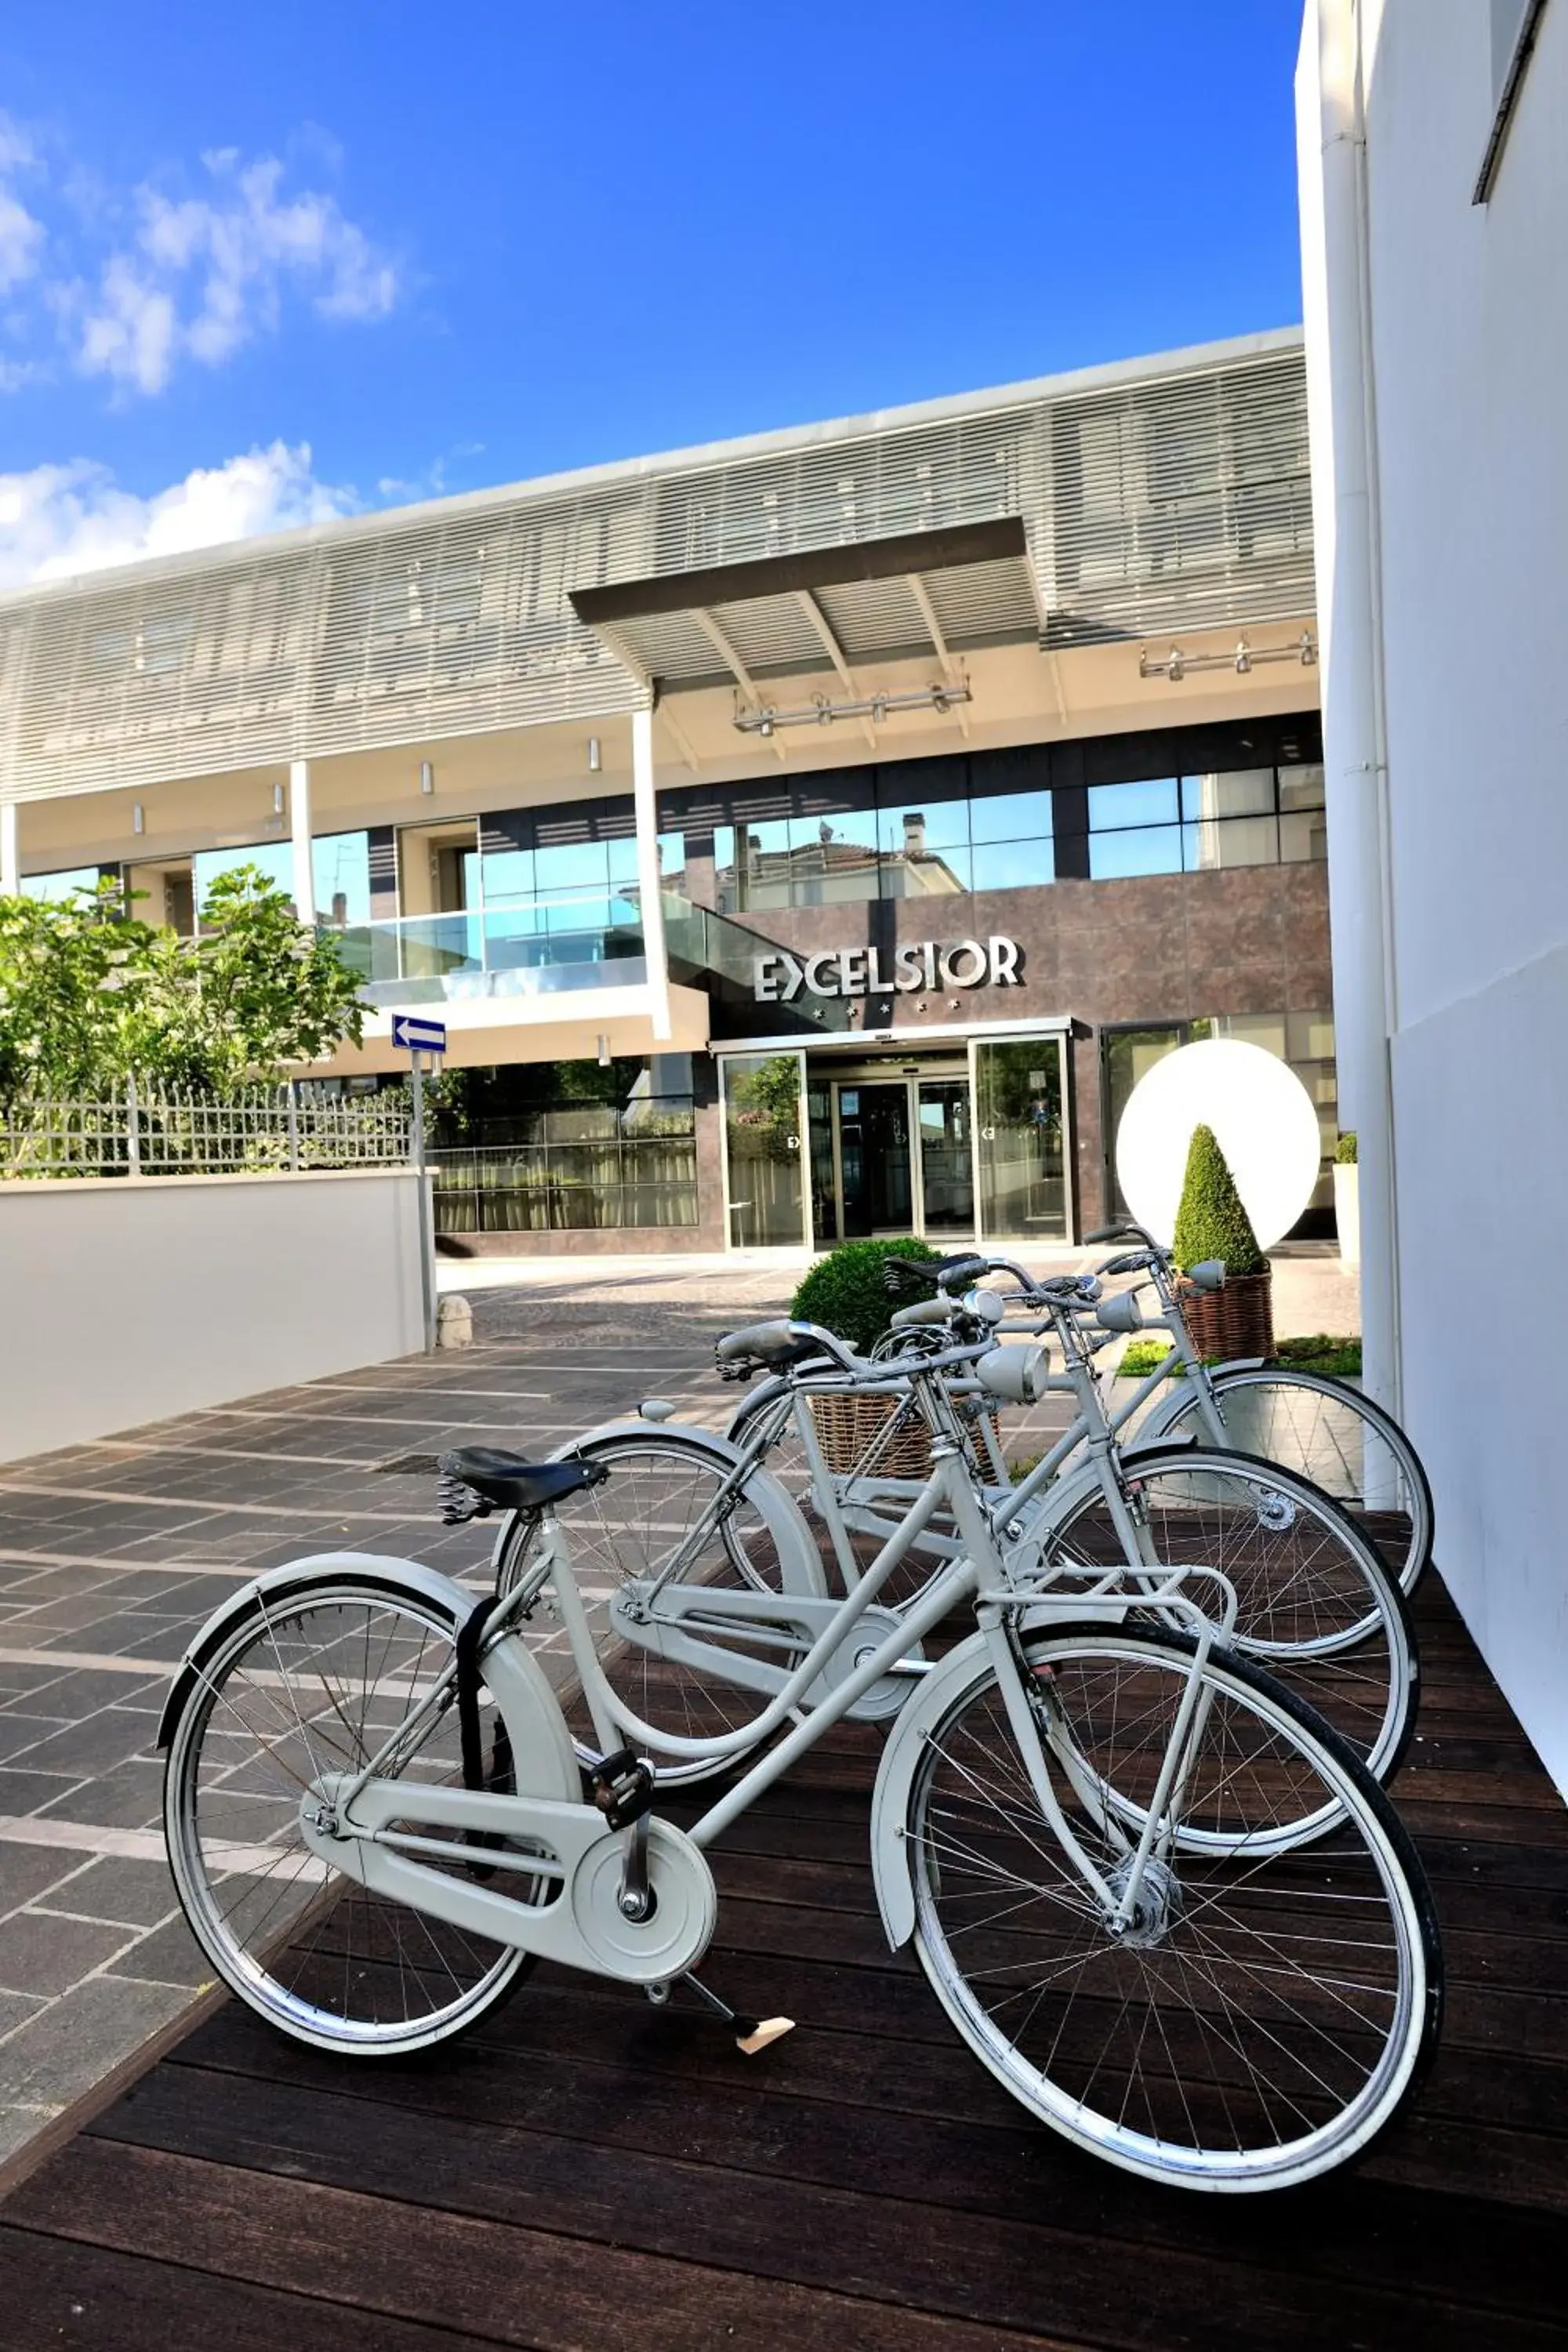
(846, 1291)
(1212, 1221)
(1344, 1151)
(1322, 1353)
(1142, 1357)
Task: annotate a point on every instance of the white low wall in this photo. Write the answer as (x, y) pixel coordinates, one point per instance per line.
(1481, 1116)
(123, 1303)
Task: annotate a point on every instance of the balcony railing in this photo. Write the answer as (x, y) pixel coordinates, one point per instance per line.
(542, 948)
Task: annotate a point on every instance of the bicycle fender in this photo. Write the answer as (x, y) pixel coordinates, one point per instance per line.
(543, 1759)
(895, 1782)
(799, 1558)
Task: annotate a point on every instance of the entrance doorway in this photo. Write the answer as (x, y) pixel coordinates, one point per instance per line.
(874, 1189)
(891, 1151)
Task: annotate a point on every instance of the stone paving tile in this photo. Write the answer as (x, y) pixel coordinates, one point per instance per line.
(113, 1888)
(28, 1872)
(66, 2049)
(44, 1952)
(128, 1797)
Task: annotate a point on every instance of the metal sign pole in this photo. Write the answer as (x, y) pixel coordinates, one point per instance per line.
(426, 1269)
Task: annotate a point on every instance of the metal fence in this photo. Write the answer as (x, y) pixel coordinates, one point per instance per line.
(146, 1131)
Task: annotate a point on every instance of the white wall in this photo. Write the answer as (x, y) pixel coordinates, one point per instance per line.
(123, 1303)
(1468, 336)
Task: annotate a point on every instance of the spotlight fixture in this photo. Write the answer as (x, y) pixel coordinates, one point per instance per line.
(595, 757)
(1177, 664)
(427, 777)
(820, 711)
(138, 817)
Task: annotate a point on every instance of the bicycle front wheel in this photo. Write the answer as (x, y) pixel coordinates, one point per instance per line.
(1314, 1602)
(1268, 2007)
(1342, 1440)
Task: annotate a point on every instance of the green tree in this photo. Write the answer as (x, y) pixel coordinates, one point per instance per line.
(1212, 1221)
(90, 995)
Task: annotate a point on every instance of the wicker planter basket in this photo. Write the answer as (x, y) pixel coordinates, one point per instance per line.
(848, 1425)
(1237, 1320)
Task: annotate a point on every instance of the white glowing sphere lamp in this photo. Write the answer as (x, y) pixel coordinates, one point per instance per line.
(1263, 1119)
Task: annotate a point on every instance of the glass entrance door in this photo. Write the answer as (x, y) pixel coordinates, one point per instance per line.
(874, 1188)
(1021, 1138)
(947, 1165)
(764, 1164)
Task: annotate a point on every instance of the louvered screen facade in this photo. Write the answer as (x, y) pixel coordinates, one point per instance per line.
(1174, 500)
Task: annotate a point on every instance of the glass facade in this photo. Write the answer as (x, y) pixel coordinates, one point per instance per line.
(921, 833)
(1198, 825)
(596, 1150)
(59, 889)
(1304, 1040)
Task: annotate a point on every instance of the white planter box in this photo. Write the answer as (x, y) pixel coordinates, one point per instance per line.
(1347, 1211)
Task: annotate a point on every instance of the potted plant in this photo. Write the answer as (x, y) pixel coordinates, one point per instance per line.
(847, 1293)
(1212, 1223)
(1347, 1200)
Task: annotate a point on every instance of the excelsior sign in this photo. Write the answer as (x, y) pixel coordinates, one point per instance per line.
(858, 971)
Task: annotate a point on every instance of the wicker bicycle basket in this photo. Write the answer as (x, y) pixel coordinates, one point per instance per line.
(1237, 1320)
(848, 1427)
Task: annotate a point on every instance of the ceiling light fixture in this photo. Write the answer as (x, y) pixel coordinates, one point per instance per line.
(138, 817)
(278, 803)
(821, 712)
(427, 777)
(595, 757)
(1177, 664)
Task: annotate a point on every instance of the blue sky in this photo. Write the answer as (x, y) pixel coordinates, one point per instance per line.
(257, 266)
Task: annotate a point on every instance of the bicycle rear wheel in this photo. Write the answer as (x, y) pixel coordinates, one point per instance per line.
(1269, 2008)
(665, 1498)
(1342, 1440)
(1314, 1602)
(308, 1682)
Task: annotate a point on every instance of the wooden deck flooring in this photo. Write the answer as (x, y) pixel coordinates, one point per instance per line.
(588, 2173)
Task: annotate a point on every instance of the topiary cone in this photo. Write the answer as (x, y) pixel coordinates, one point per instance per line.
(1212, 1221)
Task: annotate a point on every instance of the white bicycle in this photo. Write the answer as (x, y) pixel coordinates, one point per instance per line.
(1316, 1603)
(1155, 1895)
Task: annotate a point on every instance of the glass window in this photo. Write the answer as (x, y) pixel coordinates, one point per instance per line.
(578, 867)
(508, 875)
(910, 823)
(1303, 836)
(1153, 849)
(1013, 865)
(1242, 791)
(1011, 817)
(1238, 841)
(1115, 805)
(1301, 788)
(275, 858)
(341, 863)
(927, 873)
(56, 889)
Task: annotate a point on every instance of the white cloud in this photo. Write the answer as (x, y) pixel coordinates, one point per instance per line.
(60, 520)
(208, 272)
(132, 284)
(21, 236)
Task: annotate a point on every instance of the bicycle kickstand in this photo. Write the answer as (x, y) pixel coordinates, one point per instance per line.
(751, 2033)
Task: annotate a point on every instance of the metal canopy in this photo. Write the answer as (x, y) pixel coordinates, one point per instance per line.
(913, 594)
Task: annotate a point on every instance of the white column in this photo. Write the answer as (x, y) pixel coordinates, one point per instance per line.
(10, 851)
(1330, 143)
(300, 828)
(652, 906)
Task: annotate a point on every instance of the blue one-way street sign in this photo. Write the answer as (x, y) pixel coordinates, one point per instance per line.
(418, 1036)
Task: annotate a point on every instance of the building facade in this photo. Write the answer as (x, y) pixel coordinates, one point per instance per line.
(803, 837)
(1433, 183)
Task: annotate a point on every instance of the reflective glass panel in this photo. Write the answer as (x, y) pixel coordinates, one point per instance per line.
(275, 858)
(1156, 849)
(1234, 841)
(1021, 1144)
(56, 890)
(1011, 817)
(928, 873)
(1115, 805)
(572, 865)
(1013, 865)
(1240, 791)
(1301, 788)
(341, 863)
(917, 826)
(1303, 836)
(508, 875)
(764, 1123)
